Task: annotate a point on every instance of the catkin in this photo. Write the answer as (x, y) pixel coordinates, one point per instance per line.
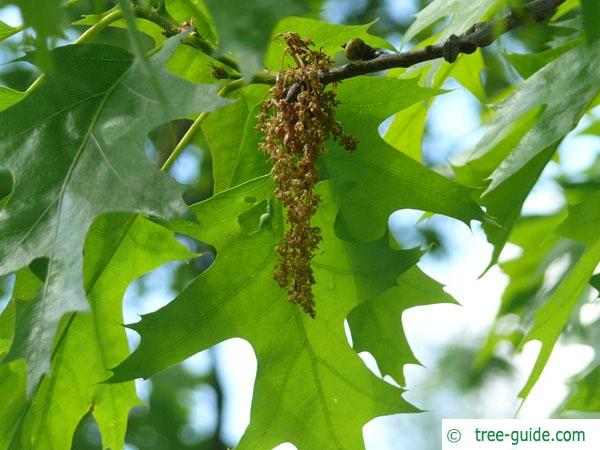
(296, 121)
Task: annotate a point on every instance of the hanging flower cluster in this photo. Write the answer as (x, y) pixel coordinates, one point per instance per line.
(296, 122)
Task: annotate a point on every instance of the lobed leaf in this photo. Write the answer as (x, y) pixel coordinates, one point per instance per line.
(552, 317)
(311, 388)
(527, 129)
(385, 180)
(75, 150)
(377, 324)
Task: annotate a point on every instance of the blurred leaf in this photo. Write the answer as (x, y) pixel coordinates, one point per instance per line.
(551, 318)
(565, 87)
(463, 13)
(585, 398)
(190, 64)
(196, 11)
(595, 282)
(7, 328)
(527, 63)
(408, 126)
(14, 382)
(46, 22)
(142, 25)
(519, 143)
(7, 31)
(95, 121)
(172, 407)
(566, 7)
(593, 129)
(582, 223)
(245, 27)
(536, 235)
(540, 246)
(9, 97)
(591, 18)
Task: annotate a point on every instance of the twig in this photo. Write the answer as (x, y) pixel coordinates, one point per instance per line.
(479, 35)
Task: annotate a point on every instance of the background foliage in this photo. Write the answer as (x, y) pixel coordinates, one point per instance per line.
(88, 206)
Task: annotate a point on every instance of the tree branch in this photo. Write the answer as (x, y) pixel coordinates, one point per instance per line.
(479, 35)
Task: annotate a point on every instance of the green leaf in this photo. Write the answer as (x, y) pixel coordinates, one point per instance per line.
(385, 179)
(13, 382)
(119, 248)
(529, 63)
(406, 130)
(145, 26)
(46, 22)
(527, 128)
(582, 223)
(7, 325)
(244, 223)
(537, 238)
(575, 77)
(595, 282)
(14, 401)
(551, 319)
(245, 27)
(463, 13)
(327, 36)
(195, 10)
(590, 10)
(306, 367)
(190, 64)
(94, 123)
(7, 31)
(566, 7)
(377, 325)
(376, 170)
(585, 398)
(467, 70)
(9, 97)
(233, 140)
